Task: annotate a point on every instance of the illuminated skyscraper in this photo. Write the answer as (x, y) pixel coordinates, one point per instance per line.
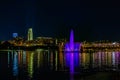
(30, 34)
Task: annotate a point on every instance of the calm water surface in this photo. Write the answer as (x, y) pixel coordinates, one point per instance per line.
(53, 65)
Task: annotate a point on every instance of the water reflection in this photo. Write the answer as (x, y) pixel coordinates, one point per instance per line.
(8, 58)
(24, 57)
(56, 60)
(61, 61)
(72, 59)
(15, 64)
(30, 56)
(72, 65)
(39, 61)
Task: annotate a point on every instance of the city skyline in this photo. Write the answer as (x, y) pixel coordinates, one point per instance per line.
(91, 21)
(30, 36)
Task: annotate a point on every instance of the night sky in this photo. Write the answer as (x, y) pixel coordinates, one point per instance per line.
(91, 21)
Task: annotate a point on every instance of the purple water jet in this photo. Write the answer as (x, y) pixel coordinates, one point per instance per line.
(72, 54)
(71, 41)
(71, 45)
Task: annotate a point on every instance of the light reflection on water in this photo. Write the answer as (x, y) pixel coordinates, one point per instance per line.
(15, 64)
(39, 61)
(30, 63)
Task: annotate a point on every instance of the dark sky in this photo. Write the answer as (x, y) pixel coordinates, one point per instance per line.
(96, 20)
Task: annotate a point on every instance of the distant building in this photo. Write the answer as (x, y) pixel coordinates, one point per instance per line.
(46, 40)
(15, 35)
(30, 34)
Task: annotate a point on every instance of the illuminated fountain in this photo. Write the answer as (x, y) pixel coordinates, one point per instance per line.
(71, 45)
(72, 55)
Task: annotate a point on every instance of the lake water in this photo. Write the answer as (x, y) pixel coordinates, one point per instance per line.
(50, 64)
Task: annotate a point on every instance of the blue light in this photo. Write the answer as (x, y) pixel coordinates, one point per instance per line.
(15, 65)
(15, 35)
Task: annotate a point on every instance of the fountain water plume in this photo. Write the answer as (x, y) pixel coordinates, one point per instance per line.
(71, 45)
(71, 40)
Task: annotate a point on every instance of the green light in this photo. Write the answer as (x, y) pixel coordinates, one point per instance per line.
(30, 65)
(38, 61)
(30, 34)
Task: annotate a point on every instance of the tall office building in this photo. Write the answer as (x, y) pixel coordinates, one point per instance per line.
(30, 34)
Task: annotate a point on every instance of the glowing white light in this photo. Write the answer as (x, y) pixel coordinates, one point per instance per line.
(114, 43)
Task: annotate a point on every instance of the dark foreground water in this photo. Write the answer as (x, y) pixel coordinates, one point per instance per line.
(53, 65)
